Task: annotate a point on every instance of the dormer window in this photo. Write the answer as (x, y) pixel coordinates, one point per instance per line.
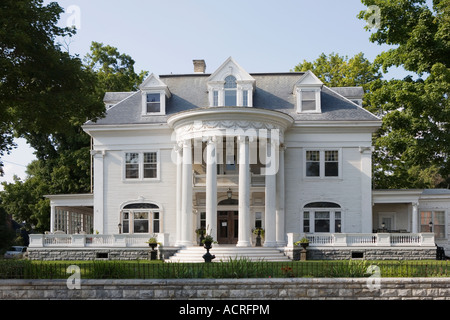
(154, 95)
(231, 86)
(308, 90)
(309, 100)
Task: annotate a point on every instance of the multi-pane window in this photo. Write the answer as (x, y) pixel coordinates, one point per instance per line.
(150, 165)
(308, 100)
(132, 165)
(141, 165)
(322, 217)
(322, 163)
(230, 91)
(331, 163)
(141, 218)
(437, 225)
(245, 98)
(312, 163)
(153, 102)
(140, 224)
(215, 98)
(306, 221)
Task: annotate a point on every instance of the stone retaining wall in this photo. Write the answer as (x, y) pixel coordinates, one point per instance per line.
(53, 254)
(231, 289)
(372, 254)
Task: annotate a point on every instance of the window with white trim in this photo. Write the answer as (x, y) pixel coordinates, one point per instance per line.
(140, 218)
(153, 103)
(322, 217)
(308, 100)
(230, 88)
(322, 163)
(141, 165)
(433, 221)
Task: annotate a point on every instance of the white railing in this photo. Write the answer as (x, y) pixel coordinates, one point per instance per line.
(228, 180)
(365, 239)
(94, 240)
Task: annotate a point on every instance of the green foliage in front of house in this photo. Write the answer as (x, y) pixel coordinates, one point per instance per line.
(232, 268)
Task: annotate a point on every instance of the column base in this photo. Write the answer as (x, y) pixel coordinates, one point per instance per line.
(243, 244)
(270, 244)
(185, 244)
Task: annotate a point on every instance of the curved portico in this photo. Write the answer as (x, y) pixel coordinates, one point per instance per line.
(242, 137)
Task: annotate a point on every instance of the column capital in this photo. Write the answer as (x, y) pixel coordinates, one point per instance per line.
(98, 153)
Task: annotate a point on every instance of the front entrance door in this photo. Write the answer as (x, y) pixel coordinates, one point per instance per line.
(227, 227)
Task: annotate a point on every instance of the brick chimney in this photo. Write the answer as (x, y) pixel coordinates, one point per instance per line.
(199, 66)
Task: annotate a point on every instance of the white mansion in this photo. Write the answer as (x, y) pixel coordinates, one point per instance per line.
(231, 152)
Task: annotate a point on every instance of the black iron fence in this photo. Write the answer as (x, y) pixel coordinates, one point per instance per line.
(239, 268)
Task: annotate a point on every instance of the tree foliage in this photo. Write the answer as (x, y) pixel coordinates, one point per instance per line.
(47, 102)
(340, 71)
(413, 145)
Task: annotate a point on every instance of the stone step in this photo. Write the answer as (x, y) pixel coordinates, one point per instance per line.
(224, 253)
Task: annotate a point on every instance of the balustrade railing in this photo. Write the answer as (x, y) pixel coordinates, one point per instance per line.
(94, 240)
(364, 239)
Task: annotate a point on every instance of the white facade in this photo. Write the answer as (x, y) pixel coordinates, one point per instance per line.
(198, 158)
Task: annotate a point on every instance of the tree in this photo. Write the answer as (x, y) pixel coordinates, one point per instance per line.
(413, 145)
(43, 89)
(63, 157)
(339, 71)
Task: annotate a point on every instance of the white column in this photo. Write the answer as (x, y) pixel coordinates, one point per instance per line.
(366, 189)
(186, 199)
(98, 190)
(211, 188)
(270, 199)
(281, 229)
(244, 193)
(179, 163)
(415, 217)
(52, 218)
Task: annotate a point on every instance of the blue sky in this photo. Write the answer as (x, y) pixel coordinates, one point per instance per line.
(164, 37)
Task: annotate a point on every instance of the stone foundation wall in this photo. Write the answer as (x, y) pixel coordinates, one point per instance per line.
(365, 253)
(236, 289)
(96, 253)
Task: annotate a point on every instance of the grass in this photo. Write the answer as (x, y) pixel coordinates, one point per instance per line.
(232, 268)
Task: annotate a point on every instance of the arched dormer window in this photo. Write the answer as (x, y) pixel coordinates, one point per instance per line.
(322, 217)
(230, 88)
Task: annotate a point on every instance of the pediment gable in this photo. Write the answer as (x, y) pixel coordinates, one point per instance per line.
(230, 67)
(309, 79)
(152, 82)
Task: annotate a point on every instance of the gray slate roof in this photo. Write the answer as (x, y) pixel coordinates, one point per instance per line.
(273, 91)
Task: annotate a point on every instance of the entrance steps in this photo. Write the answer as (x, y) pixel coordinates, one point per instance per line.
(226, 252)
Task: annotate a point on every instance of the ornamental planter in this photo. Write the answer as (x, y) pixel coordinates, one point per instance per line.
(208, 257)
(153, 252)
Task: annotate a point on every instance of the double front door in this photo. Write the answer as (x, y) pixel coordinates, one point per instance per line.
(227, 227)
